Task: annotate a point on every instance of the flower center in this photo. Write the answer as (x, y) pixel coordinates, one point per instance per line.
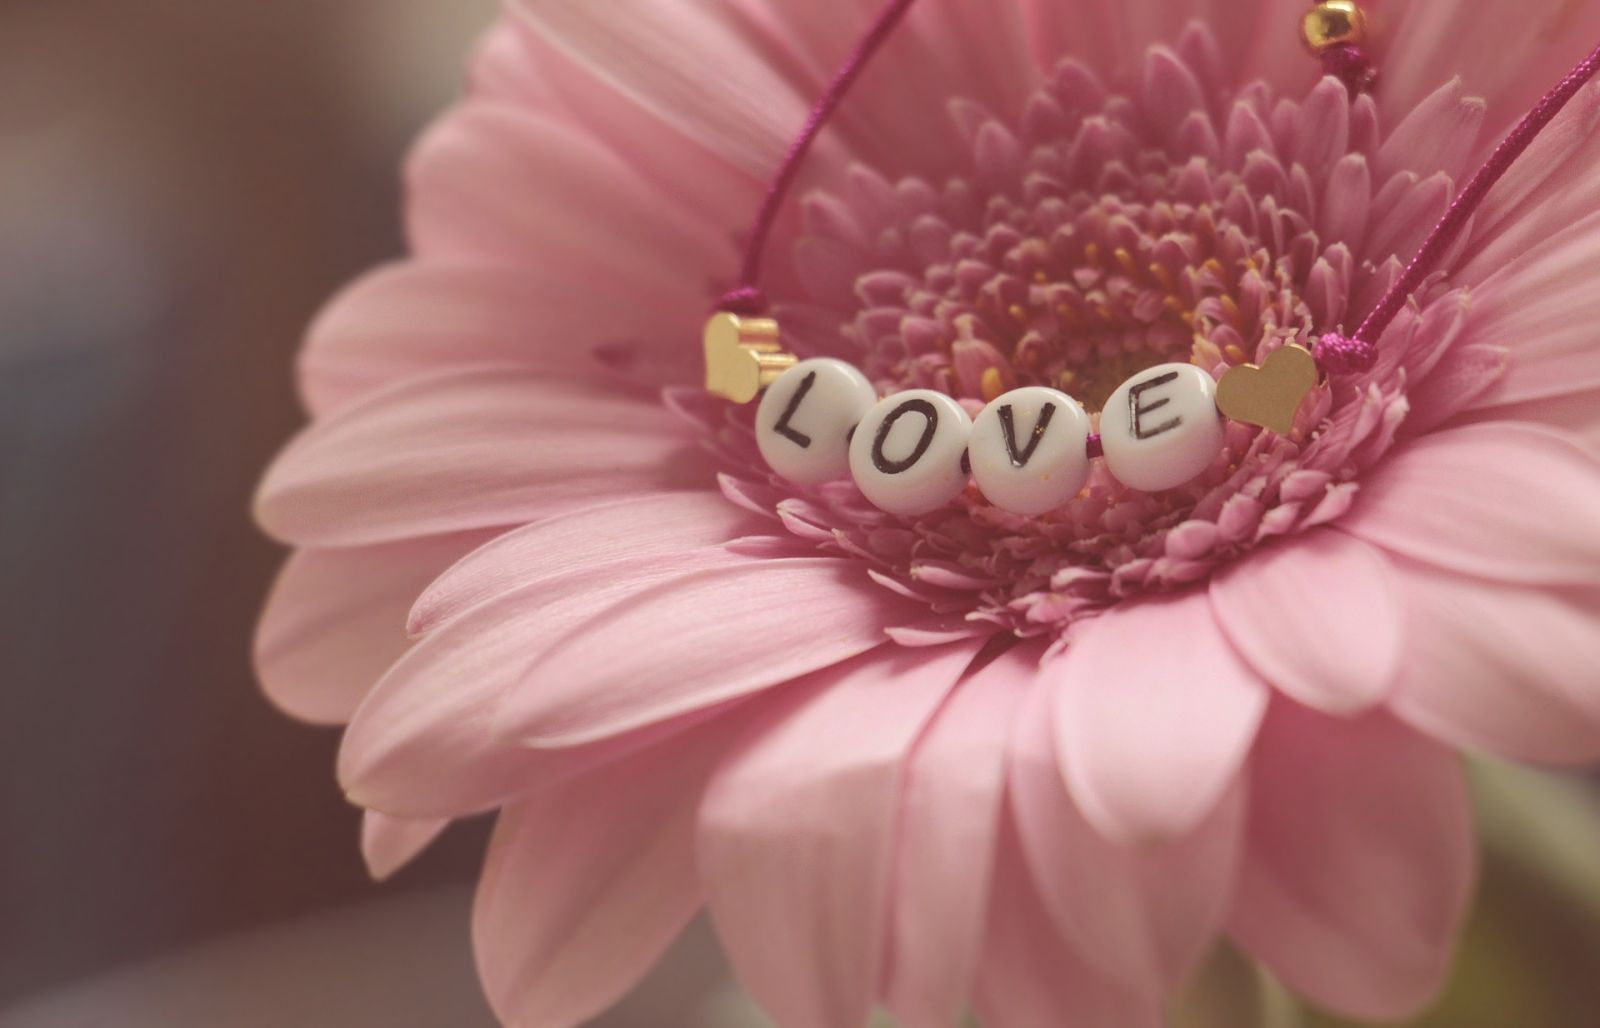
(1102, 234)
(1082, 277)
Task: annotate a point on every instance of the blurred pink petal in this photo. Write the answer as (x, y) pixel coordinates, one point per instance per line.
(1144, 914)
(698, 178)
(408, 319)
(390, 843)
(498, 185)
(336, 620)
(796, 841)
(423, 741)
(1335, 646)
(1545, 193)
(1544, 304)
(573, 909)
(1154, 713)
(345, 482)
(1030, 976)
(950, 814)
(1501, 669)
(697, 641)
(1439, 134)
(1509, 53)
(707, 72)
(1485, 500)
(1360, 861)
(650, 531)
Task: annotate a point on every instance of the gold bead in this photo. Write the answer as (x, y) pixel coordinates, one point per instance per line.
(743, 356)
(1334, 23)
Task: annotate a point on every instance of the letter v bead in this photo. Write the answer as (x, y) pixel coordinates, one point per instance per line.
(1008, 423)
(1046, 473)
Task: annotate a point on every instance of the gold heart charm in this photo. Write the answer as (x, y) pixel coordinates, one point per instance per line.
(742, 356)
(1269, 396)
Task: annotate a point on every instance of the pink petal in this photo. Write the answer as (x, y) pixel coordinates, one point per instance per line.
(422, 744)
(1542, 308)
(1324, 127)
(1551, 188)
(1154, 713)
(1439, 134)
(1360, 862)
(1503, 669)
(1144, 914)
(465, 450)
(492, 184)
(1510, 54)
(335, 621)
(1577, 415)
(796, 833)
(697, 641)
(1402, 219)
(949, 820)
(410, 319)
(1318, 616)
(1347, 201)
(713, 188)
(502, 68)
(1502, 501)
(641, 529)
(587, 884)
(1030, 977)
(691, 63)
(390, 843)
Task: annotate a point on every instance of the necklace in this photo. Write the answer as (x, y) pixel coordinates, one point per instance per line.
(1030, 451)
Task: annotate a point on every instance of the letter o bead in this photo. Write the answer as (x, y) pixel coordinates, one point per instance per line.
(804, 422)
(1161, 428)
(906, 455)
(1030, 450)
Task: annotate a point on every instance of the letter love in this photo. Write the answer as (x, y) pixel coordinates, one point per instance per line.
(913, 452)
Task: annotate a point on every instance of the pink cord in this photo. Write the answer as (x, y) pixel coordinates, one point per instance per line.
(1351, 65)
(1339, 354)
(747, 298)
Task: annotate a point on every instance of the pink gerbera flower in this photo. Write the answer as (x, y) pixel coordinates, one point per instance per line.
(1035, 766)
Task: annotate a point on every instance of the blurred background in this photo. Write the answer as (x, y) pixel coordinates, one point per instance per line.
(182, 183)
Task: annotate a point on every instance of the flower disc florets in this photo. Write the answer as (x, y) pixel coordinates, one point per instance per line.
(1103, 233)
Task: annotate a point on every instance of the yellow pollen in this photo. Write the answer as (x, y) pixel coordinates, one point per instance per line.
(1091, 255)
(992, 384)
(1018, 313)
(1234, 354)
(1125, 259)
(1231, 309)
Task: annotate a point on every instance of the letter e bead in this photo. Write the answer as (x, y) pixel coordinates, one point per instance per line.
(907, 452)
(804, 422)
(1161, 428)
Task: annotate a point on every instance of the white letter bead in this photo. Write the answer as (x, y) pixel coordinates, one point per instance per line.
(803, 424)
(1030, 450)
(1161, 427)
(907, 452)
